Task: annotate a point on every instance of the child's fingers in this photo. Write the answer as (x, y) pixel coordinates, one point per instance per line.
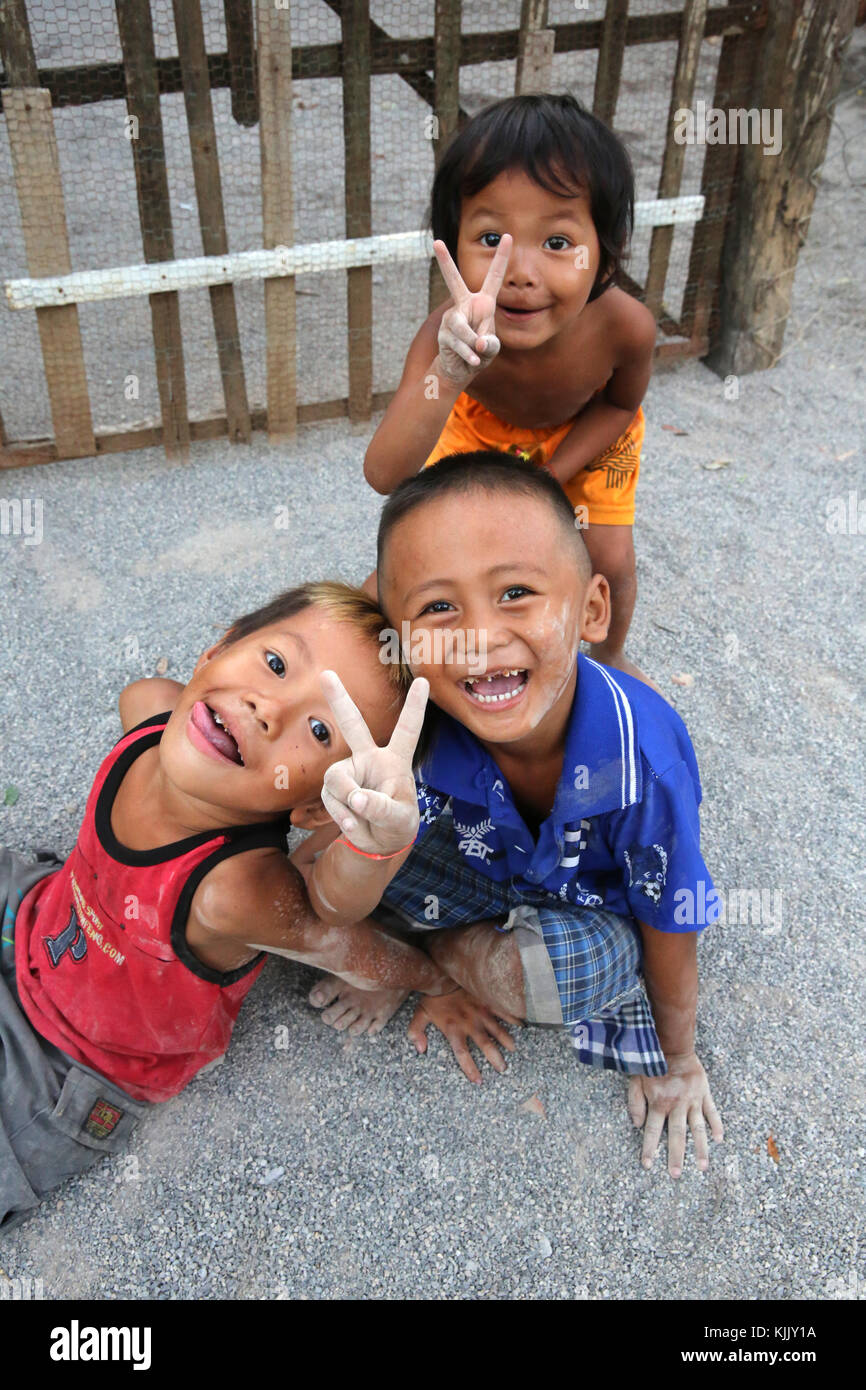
(652, 1134)
(502, 1036)
(404, 739)
(341, 784)
(716, 1127)
(498, 266)
(457, 333)
(699, 1135)
(384, 812)
(484, 1042)
(465, 1061)
(350, 720)
(450, 274)
(636, 1101)
(677, 1130)
(338, 811)
(418, 1029)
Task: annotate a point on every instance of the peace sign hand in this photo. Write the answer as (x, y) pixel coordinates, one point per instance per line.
(371, 795)
(467, 341)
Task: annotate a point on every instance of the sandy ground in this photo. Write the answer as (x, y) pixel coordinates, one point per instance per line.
(336, 1167)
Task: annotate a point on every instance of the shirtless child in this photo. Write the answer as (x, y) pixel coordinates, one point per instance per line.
(537, 352)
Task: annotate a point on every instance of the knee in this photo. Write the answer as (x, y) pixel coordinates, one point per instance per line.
(484, 962)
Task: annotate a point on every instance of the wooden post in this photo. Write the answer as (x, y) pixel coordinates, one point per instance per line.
(30, 125)
(355, 22)
(206, 171)
(275, 134)
(682, 93)
(241, 45)
(718, 179)
(535, 49)
(446, 110)
(608, 70)
(148, 151)
(797, 73)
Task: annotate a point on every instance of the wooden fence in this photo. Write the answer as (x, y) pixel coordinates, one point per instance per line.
(259, 67)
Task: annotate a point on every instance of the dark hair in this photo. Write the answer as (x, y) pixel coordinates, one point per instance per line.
(482, 471)
(563, 147)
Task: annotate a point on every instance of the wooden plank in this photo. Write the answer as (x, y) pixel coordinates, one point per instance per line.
(16, 45)
(534, 50)
(411, 59)
(682, 93)
(797, 72)
(393, 55)
(355, 22)
(148, 149)
(608, 70)
(30, 126)
(275, 136)
(206, 172)
(733, 85)
(241, 45)
(446, 110)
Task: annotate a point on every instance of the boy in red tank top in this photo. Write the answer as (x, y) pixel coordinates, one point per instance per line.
(123, 969)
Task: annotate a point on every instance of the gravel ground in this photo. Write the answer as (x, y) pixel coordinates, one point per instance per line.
(338, 1167)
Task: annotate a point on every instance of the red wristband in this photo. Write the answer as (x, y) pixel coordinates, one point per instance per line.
(341, 840)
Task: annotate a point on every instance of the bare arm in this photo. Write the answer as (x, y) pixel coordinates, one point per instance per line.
(670, 962)
(601, 423)
(257, 902)
(457, 341)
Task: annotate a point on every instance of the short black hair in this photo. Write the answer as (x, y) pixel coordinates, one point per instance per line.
(563, 147)
(483, 471)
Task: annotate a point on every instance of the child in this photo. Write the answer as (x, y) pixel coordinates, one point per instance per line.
(123, 969)
(537, 352)
(559, 802)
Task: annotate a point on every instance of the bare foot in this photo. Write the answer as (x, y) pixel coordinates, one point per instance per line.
(357, 1011)
(620, 662)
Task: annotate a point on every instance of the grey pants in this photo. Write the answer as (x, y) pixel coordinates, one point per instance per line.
(56, 1116)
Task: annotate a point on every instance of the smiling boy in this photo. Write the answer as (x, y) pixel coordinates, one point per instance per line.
(537, 352)
(558, 799)
(123, 969)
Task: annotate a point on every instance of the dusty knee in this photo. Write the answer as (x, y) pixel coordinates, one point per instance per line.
(485, 962)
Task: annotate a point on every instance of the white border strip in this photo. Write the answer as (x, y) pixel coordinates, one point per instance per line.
(128, 281)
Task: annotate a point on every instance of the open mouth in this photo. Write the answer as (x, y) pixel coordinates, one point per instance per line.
(214, 736)
(520, 313)
(496, 689)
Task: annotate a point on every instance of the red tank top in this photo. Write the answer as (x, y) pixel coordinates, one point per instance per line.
(102, 964)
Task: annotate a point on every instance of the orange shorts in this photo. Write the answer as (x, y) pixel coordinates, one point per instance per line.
(605, 487)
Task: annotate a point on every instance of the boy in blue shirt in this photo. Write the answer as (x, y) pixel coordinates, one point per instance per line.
(558, 798)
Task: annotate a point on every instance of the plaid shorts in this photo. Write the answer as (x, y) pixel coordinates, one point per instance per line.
(581, 966)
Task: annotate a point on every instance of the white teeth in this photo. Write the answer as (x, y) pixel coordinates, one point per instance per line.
(493, 699)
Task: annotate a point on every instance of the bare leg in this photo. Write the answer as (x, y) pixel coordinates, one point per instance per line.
(357, 1011)
(485, 962)
(611, 550)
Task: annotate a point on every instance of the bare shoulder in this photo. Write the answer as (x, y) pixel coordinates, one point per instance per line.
(632, 323)
(242, 888)
(144, 698)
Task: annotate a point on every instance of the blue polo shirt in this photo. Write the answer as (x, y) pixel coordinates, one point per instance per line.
(624, 831)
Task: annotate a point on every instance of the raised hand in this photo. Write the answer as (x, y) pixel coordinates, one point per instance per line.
(467, 341)
(371, 795)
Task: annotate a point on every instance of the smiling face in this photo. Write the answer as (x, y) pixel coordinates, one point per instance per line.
(554, 257)
(252, 733)
(494, 577)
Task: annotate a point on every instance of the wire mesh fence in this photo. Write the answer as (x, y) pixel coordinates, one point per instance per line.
(169, 131)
